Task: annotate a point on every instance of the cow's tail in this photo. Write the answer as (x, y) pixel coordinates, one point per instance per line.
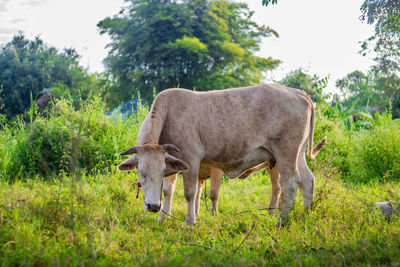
(312, 152)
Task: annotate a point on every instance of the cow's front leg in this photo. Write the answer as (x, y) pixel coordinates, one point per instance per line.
(168, 191)
(190, 179)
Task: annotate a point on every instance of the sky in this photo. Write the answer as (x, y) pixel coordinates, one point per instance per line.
(323, 37)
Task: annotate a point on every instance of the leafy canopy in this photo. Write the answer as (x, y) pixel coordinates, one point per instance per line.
(385, 15)
(267, 2)
(194, 44)
(311, 84)
(373, 90)
(31, 67)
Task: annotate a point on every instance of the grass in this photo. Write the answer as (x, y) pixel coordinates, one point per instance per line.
(96, 220)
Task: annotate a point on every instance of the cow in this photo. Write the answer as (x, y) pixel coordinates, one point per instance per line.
(233, 130)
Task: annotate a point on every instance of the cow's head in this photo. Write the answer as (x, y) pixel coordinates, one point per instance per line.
(152, 163)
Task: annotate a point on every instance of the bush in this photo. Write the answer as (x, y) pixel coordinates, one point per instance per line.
(362, 155)
(377, 152)
(66, 140)
(337, 150)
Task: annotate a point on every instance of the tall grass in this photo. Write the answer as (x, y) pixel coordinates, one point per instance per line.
(104, 224)
(362, 155)
(377, 152)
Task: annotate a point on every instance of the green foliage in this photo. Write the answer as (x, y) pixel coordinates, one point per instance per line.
(31, 67)
(312, 85)
(202, 44)
(377, 151)
(267, 2)
(385, 15)
(344, 115)
(357, 85)
(390, 85)
(378, 119)
(53, 142)
(339, 148)
(364, 151)
(372, 91)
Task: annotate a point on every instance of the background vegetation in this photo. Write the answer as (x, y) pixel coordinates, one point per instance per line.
(63, 203)
(202, 45)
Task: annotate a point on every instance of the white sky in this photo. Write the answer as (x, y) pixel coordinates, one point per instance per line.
(319, 35)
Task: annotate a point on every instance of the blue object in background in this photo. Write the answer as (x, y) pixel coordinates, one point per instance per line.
(125, 110)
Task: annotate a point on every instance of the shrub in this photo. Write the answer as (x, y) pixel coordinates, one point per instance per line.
(338, 148)
(372, 153)
(66, 140)
(377, 152)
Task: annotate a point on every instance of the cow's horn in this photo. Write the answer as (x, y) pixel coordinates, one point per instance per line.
(130, 151)
(170, 147)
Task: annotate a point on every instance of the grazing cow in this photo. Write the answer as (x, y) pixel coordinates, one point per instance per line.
(232, 130)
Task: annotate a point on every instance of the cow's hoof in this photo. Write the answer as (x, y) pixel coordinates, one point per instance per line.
(271, 211)
(186, 227)
(189, 223)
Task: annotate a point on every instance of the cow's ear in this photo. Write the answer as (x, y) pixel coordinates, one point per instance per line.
(174, 165)
(129, 164)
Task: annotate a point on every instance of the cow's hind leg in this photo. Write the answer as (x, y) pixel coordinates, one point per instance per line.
(168, 191)
(290, 183)
(286, 154)
(215, 184)
(275, 188)
(307, 181)
(200, 186)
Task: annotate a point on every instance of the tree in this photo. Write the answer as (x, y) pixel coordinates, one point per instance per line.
(372, 90)
(385, 15)
(380, 87)
(311, 84)
(195, 44)
(31, 67)
(357, 85)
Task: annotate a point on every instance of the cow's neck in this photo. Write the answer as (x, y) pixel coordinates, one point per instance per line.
(151, 128)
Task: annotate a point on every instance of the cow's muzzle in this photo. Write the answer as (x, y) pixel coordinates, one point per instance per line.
(153, 207)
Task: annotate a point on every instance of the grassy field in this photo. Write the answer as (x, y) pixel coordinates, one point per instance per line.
(49, 216)
(96, 220)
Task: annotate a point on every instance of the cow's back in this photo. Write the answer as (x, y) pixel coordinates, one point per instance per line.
(225, 125)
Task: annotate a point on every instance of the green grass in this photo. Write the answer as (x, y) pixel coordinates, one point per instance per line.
(98, 221)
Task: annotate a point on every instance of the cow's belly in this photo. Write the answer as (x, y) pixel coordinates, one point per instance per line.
(234, 166)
